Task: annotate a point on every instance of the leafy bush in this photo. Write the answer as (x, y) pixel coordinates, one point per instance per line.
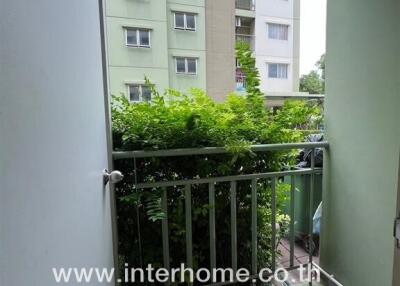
(178, 120)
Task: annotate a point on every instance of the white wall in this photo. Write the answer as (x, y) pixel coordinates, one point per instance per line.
(275, 8)
(274, 84)
(54, 211)
(274, 51)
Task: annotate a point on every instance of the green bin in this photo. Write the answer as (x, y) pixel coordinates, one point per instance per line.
(302, 202)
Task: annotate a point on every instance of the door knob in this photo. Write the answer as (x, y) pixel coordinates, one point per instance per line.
(112, 177)
(396, 231)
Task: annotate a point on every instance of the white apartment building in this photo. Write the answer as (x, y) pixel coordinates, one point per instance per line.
(272, 27)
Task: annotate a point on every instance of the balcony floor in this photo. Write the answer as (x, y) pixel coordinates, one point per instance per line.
(300, 257)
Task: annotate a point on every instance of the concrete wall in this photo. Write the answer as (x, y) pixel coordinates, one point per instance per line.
(362, 122)
(54, 210)
(220, 48)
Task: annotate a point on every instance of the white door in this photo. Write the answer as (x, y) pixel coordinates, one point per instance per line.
(54, 210)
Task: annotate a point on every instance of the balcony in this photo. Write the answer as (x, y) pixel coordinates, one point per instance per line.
(182, 192)
(249, 39)
(245, 5)
(54, 152)
(244, 29)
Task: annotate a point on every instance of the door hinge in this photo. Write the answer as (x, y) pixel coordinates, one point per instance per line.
(396, 231)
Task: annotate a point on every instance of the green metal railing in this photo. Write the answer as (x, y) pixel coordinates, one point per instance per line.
(233, 180)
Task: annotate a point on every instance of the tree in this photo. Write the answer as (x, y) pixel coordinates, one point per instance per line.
(255, 98)
(314, 81)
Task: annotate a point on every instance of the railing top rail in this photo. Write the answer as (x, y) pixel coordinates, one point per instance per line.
(225, 179)
(214, 150)
(245, 35)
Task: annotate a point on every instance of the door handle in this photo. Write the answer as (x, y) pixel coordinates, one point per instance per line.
(112, 177)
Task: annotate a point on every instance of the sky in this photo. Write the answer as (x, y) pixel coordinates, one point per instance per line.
(312, 33)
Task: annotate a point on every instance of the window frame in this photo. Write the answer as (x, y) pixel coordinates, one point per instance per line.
(186, 72)
(269, 24)
(277, 71)
(138, 41)
(185, 27)
(140, 85)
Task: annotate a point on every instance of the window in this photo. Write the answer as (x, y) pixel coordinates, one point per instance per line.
(139, 92)
(278, 71)
(278, 31)
(186, 65)
(138, 37)
(185, 21)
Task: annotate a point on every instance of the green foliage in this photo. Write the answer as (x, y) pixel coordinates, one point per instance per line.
(194, 120)
(314, 82)
(178, 120)
(254, 98)
(299, 115)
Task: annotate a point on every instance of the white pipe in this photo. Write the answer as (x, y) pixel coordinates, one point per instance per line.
(329, 276)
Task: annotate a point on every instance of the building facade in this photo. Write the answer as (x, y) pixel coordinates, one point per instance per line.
(181, 44)
(272, 28)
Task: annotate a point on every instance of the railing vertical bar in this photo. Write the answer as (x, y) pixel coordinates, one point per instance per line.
(292, 218)
(254, 225)
(273, 222)
(233, 227)
(311, 240)
(188, 220)
(165, 232)
(211, 198)
(138, 229)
